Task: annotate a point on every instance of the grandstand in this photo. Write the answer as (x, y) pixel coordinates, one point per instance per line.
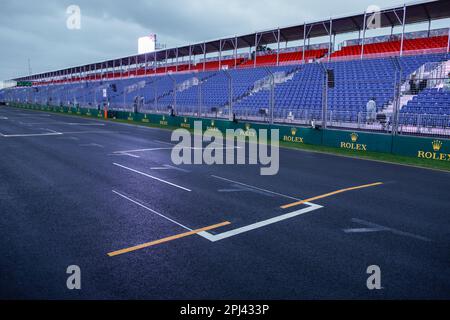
(352, 190)
(287, 85)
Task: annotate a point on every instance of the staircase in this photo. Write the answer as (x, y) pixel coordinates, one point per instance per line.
(435, 73)
(186, 85)
(266, 83)
(135, 86)
(439, 75)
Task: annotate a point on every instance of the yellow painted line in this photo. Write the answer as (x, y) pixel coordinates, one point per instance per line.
(330, 194)
(171, 238)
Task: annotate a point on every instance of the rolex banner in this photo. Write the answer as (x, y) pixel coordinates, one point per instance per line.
(358, 141)
(424, 148)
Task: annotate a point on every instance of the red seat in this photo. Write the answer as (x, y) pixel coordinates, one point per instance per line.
(271, 59)
(394, 46)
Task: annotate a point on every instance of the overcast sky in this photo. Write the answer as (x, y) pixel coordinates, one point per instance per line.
(36, 30)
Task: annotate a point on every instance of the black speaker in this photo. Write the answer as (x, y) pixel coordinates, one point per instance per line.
(330, 75)
(264, 111)
(114, 87)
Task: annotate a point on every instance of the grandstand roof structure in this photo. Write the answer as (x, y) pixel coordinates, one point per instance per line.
(410, 13)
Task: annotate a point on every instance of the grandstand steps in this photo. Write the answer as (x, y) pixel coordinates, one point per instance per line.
(434, 73)
(440, 75)
(188, 84)
(404, 99)
(387, 109)
(208, 77)
(134, 87)
(265, 83)
(193, 82)
(185, 85)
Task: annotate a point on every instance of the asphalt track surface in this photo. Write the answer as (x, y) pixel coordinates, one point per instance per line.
(70, 194)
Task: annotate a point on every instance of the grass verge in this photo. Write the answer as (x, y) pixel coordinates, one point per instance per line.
(375, 156)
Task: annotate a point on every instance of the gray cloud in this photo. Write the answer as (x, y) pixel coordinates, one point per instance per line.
(37, 29)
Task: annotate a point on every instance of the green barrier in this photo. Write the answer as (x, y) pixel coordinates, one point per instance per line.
(422, 148)
(436, 149)
(357, 141)
(130, 116)
(162, 120)
(88, 113)
(139, 117)
(186, 123)
(299, 135)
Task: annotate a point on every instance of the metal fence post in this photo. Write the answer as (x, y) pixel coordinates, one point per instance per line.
(175, 97)
(174, 106)
(419, 118)
(397, 95)
(230, 94)
(155, 97)
(359, 120)
(397, 106)
(324, 97)
(124, 97)
(272, 95)
(200, 99)
(231, 111)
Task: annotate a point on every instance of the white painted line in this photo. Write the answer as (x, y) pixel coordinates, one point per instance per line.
(257, 225)
(237, 189)
(92, 145)
(69, 138)
(130, 155)
(31, 135)
(139, 150)
(241, 188)
(169, 167)
(260, 189)
(142, 150)
(30, 124)
(373, 227)
(176, 168)
(52, 133)
(49, 130)
(163, 142)
(124, 154)
(83, 124)
(151, 210)
(90, 132)
(62, 123)
(225, 147)
(166, 148)
(152, 177)
(30, 115)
